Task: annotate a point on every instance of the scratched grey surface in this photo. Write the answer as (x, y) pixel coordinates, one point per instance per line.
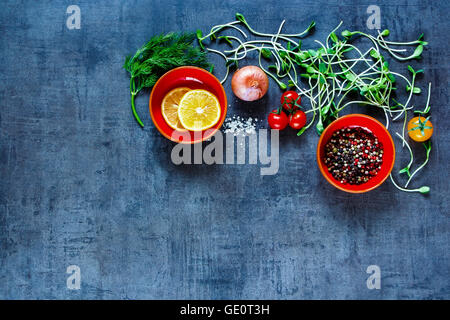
(82, 184)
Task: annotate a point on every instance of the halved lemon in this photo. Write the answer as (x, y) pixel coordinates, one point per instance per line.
(199, 110)
(170, 105)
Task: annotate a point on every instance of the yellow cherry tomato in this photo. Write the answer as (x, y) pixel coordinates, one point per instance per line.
(420, 129)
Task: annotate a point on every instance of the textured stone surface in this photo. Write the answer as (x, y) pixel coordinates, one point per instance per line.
(82, 184)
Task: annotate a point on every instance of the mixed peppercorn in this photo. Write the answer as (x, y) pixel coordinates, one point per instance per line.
(353, 155)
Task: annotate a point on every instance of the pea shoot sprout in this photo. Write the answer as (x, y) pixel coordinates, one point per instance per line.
(332, 72)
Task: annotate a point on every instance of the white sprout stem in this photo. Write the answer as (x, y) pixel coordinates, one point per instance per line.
(418, 169)
(243, 44)
(349, 60)
(267, 71)
(374, 40)
(428, 98)
(399, 43)
(409, 149)
(238, 29)
(226, 59)
(220, 27)
(405, 109)
(285, 37)
(402, 189)
(332, 31)
(282, 36)
(392, 49)
(410, 95)
(275, 37)
(392, 52)
(387, 118)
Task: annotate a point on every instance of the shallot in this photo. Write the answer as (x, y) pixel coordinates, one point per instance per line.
(250, 83)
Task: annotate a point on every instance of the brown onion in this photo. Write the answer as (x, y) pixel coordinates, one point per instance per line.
(250, 83)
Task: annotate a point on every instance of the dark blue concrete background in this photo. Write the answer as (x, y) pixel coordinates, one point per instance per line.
(82, 184)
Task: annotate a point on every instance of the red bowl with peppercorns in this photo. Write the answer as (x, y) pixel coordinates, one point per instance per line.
(372, 159)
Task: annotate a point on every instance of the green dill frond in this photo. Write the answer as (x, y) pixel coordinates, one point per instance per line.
(162, 53)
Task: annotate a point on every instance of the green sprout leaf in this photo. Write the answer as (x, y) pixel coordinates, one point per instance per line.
(266, 53)
(304, 55)
(321, 79)
(405, 170)
(311, 25)
(350, 76)
(418, 51)
(288, 46)
(319, 127)
(322, 67)
(391, 77)
(199, 37)
(427, 146)
(282, 85)
(301, 131)
(334, 37)
(416, 90)
(346, 34)
(310, 69)
(424, 190)
(313, 53)
(230, 62)
(364, 90)
(325, 110)
(226, 39)
(241, 18)
(374, 54)
(415, 72)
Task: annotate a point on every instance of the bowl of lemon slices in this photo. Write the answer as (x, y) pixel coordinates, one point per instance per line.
(188, 105)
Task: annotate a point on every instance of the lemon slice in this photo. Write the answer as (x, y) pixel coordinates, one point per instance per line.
(170, 105)
(199, 110)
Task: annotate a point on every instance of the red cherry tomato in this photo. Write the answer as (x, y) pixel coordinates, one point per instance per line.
(297, 120)
(287, 100)
(278, 121)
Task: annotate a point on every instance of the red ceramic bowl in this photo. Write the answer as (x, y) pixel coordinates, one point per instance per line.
(379, 131)
(194, 78)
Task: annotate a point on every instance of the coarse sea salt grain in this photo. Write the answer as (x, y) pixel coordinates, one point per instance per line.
(238, 125)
